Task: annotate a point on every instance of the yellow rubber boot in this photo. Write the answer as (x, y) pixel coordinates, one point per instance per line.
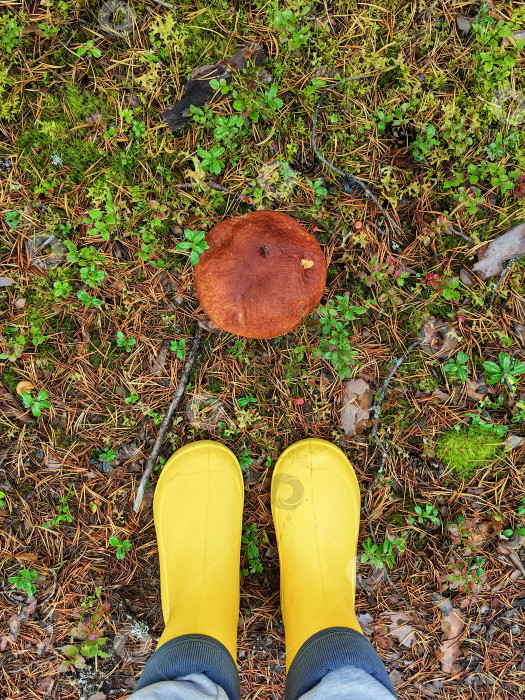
(198, 518)
(315, 507)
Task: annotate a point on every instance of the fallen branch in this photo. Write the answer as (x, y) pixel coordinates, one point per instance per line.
(376, 407)
(506, 267)
(348, 181)
(184, 378)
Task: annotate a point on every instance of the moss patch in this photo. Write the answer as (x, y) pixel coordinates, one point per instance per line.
(466, 451)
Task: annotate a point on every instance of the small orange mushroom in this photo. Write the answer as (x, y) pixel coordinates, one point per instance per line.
(261, 276)
(22, 386)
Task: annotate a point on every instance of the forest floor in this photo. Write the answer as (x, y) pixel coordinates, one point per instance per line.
(414, 364)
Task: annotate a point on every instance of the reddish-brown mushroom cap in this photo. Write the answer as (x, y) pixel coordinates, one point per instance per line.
(262, 275)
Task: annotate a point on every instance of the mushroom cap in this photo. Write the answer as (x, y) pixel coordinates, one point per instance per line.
(262, 275)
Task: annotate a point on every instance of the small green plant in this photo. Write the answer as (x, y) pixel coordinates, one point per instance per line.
(335, 341)
(91, 275)
(2, 500)
(425, 512)
(63, 514)
(107, 456)
(24, 581)
(126, 343)
(132, 398)
(467, 575)
(88, 300)
(36, 404)
(86, 640)
(381, 555)
(49, 32)
(520, 513)
(138, 128)
(423, 144)
(486, 426)
(126, 114)
(179, 348)
(122, 546)
(61, 289)
(16, 345)
(319, 190)
(10, 32)
(211, 160)
(244, 459)
(89, 48)
(249, 547)
(505, 371)
(288, 23)
(37, 337)
(450, 289)
(246, 400)
(195, 243)
(458, 367)
(12, 219)
(102, 223)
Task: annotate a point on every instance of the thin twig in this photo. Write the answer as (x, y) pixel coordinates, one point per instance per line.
(506, 267)
(184, 378)
(346, 177)
(51, 595)
(214, 186)
(164, 4)
(376, 408)
(461, 235)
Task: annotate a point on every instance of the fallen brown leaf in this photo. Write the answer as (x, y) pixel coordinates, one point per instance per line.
(400, 630)
(356, 401)
(437, 338)
(509, 245)
(198, 90)
(452, 626)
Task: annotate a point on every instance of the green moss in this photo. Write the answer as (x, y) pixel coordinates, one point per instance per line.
(467, 451)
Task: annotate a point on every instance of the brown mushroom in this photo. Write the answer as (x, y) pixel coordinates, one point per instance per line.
(261, 276)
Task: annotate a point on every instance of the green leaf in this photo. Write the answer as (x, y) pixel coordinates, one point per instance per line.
(184, 245)
(114, 541)
(504, 361)
(506, 533)
(27, 399)
(194, 257)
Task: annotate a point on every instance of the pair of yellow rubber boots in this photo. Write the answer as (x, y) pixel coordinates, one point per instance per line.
(198, 517)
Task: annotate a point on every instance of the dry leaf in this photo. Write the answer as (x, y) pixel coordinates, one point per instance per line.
(157, 366)
(509, 245)
(382, 637)
(198, 90)
(356, 401)
(9, 407)
(307, 264)
(44, 684)
(437, 338)
(477, 389)
(365, 623)
(452, 625)
(400, 630)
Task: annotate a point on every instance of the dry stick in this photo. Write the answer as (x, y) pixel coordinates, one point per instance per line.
(164, 4)
(346, 176)
(506, 267)
(461, 235)
(213, 186)
(376, 410)
(184, 378)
